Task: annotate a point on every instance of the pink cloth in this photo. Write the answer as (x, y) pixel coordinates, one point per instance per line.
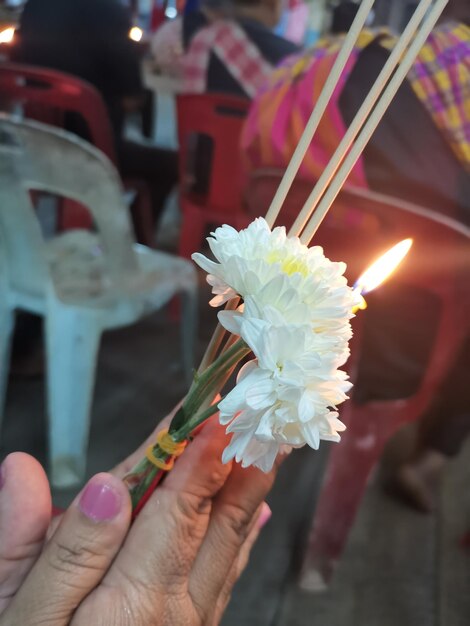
(228, 41)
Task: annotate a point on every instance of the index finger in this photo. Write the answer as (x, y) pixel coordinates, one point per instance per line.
(180, 508)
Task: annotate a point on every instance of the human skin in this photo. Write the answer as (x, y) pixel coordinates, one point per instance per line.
(176, 564)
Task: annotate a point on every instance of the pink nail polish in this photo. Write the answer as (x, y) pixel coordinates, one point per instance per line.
(99, 501)
(2, 476)
(265, 516)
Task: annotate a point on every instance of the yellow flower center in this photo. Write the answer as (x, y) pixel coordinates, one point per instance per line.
(289, 264)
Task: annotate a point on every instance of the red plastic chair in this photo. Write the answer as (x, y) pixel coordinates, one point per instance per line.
(158, 14)
(48, 96)
(362, 224)
(221, 118)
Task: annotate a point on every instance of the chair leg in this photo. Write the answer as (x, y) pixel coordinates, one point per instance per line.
(191, 236)
(142, 214)
(72, 346)
(7, 322)
(188, 330)
(349, 467)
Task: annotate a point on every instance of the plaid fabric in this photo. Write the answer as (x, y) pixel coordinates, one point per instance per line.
(236, 51)
(283, 105)
(441, 79)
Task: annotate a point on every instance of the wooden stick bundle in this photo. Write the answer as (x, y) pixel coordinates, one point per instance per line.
(318, 111)
(360, 118)
(371, 124)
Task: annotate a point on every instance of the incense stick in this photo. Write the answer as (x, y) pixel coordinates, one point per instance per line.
(360, 118)
(318, 111)
(373, 121)
(217, 338)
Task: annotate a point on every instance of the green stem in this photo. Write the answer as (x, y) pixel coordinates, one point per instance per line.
(208, 383)
(209, 378)
(194, 422)
(191, 414)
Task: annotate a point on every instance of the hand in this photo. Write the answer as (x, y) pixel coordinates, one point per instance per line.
(25, 513)
(176, 565)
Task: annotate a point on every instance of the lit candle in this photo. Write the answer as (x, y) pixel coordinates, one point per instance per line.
(380, 270)
(7, 35)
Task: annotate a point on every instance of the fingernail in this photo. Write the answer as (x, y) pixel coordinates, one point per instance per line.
(99, 501)
(2, 476)
(265, 516)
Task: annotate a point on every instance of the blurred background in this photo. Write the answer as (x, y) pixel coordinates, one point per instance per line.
(128, 131)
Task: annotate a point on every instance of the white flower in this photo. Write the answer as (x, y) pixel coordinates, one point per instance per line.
(286, 397)
(278, 278)
(295, 318)
(249, 259)
(330, 335)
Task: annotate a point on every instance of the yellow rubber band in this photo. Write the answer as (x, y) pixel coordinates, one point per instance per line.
(169, 445)
(166, 466)
(166, 443)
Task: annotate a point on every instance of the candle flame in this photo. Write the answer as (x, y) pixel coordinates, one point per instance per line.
(7, 35)
(136, 33)
(383, 267)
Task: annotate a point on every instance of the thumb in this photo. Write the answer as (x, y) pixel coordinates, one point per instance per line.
(25, 513)
(76, 557)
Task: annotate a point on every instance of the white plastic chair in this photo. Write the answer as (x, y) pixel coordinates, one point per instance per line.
(82, 283)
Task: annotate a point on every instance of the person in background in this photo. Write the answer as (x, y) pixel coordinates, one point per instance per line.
(440, 437)
(343, 17)
(420, 153)
(226, 46)
(439, 178)
(295, 20)
(90, 39)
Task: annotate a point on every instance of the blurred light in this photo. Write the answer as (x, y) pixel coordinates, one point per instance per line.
(171, 12)
(7, 35)
(383, 267)
(136, 33)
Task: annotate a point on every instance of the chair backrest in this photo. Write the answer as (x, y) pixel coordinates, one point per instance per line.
(219, 117)
(34, 156)
(363, 222)
(48, 96)
(362, 225)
